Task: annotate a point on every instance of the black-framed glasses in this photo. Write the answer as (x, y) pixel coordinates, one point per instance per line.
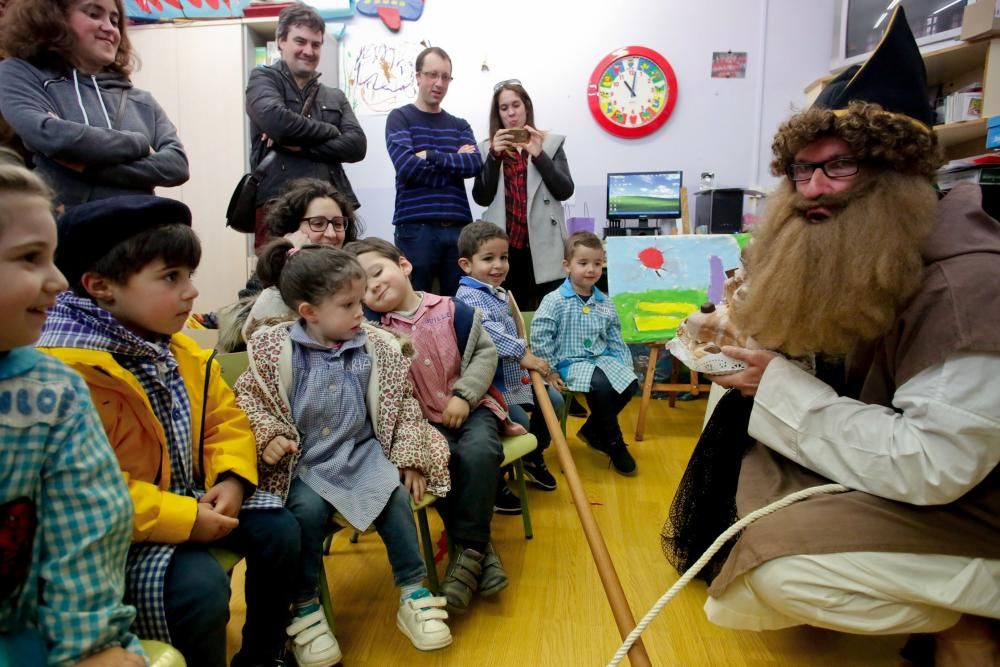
(506, 82)
(434, 76)
(319, 223)
(838, 167)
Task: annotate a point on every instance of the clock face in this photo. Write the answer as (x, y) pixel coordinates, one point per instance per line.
(632, 91)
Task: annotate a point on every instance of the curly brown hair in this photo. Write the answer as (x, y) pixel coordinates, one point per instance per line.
(892, 140)
(38, 31)
(284, 213)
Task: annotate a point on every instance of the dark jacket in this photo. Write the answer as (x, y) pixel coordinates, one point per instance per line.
(66, 117)
(328, 137)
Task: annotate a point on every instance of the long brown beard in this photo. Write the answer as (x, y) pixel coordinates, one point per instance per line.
(823, 287)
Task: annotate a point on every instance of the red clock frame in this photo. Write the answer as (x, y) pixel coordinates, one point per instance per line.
(593, 88)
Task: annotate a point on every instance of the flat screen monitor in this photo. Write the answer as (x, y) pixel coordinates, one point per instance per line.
(647, 194)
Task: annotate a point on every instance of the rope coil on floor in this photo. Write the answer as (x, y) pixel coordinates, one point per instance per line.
(711, 551)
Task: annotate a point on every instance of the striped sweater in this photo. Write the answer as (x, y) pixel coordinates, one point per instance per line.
(430, 189)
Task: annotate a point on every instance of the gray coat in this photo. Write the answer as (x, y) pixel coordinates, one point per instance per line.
(330, 136)
(67, 117)
(549, 183)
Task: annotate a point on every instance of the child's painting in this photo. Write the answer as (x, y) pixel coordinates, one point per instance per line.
(656, 281)
(377, 77)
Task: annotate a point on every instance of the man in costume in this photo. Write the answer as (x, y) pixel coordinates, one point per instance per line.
(897, 294)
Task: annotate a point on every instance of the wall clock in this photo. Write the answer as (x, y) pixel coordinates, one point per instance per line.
(632, 92)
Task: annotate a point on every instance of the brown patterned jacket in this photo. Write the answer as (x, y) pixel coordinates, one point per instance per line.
(407, 439)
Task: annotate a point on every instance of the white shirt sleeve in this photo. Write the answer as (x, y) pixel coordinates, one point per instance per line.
(944, 440)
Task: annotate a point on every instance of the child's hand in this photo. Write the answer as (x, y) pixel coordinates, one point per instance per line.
(532, 363)
(210, 525)
(556, 381)
(455, 413)
(115, 656)
(225, 497)
(277, 448)
(415, 483)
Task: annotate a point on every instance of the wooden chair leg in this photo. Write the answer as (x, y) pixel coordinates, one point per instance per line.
(428, 546)
(647, 391)
(673, 380)
(325, 601)
(523, 491)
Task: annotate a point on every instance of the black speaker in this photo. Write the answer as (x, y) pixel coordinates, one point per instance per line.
(721, 211)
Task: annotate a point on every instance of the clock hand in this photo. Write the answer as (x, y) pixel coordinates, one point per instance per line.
(632, 89)
(629, 87)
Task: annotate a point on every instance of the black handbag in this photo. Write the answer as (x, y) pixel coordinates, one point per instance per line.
(241, 214)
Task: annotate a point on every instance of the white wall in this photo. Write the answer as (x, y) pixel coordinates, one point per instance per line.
(719, 125)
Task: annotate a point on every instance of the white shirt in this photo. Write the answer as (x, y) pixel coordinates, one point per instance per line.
(943, 443)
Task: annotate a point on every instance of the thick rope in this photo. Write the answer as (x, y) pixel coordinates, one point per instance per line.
(711, 551)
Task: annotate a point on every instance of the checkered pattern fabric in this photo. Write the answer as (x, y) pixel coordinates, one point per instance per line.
(515, 190)
(341, 459)
(577, 335)
(499, 323)
(55, 455)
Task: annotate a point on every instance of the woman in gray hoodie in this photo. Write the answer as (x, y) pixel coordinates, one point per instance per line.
(65, 90)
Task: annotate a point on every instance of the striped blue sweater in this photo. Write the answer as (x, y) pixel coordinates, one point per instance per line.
(431, 189)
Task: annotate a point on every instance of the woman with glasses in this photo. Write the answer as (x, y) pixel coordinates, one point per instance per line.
(524, 179)
(309, 211)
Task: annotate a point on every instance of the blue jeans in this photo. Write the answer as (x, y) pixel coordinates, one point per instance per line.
(432, 248)
(536, 423)
(394, 524)
(196, 590)
(476, 455)
(605, 403)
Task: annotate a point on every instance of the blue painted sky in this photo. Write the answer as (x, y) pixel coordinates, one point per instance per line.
(685, 261)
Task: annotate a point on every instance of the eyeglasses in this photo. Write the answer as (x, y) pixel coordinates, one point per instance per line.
(319, 223)
(838, 167)
(506, 82)
(434, 76)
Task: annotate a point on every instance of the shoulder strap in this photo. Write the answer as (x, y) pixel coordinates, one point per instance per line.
(200, 467)
(464, 317)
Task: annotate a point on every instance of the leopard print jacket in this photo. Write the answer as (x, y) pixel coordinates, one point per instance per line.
(407, 439)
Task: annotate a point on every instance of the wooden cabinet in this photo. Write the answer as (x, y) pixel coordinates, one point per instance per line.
(950, 69)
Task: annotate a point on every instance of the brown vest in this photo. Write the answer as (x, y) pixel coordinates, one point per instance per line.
(956, 309)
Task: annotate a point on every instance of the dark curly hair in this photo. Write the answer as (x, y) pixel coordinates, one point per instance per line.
(892, 140)
(38, 31)
(284, 213)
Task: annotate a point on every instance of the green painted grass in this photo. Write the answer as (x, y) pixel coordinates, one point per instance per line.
(627, 305)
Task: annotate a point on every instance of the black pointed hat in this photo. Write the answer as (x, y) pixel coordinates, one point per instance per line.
(894, 77)
(879, 108)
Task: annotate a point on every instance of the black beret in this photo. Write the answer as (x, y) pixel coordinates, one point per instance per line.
(88, 231)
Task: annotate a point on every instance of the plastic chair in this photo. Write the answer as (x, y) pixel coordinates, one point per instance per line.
(162, 655)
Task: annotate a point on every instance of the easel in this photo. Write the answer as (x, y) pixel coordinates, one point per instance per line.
(648, 386)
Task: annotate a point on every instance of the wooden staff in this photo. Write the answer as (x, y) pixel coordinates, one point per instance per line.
(599, 550)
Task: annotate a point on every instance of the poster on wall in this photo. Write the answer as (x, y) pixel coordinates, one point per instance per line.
(657, 281)
(729, 64)
(378, 76)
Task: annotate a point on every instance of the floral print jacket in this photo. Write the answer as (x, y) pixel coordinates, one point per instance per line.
(407, 439)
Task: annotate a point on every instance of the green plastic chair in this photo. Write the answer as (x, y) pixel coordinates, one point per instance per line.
(162, 655)
(232, 365)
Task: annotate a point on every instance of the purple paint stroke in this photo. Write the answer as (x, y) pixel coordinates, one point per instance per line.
(717, 279)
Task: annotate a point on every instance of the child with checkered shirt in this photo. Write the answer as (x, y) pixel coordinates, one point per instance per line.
(185, 448)
(65, 513)
(337, 428)
(483, 256)
(577, 331)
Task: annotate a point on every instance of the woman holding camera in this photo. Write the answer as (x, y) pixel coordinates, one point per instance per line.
(524, 179)
(65, 90)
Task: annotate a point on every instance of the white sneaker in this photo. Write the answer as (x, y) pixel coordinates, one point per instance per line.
(421, 617)
(313, 642)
